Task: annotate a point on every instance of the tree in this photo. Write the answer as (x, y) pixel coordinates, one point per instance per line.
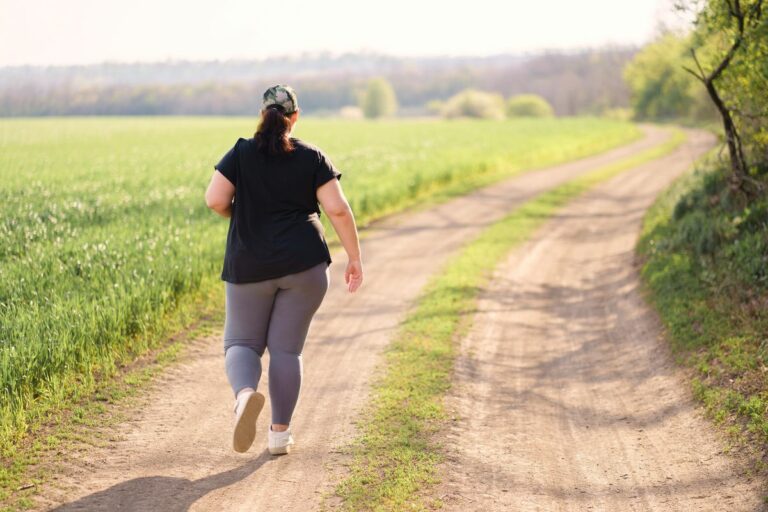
(734, 39)
(379, 99)
(474, 103)
(660, 87)
(529, 105)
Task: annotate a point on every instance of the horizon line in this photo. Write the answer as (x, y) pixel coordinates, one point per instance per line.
(335, 55)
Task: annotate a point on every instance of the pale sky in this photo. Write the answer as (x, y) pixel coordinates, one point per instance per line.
(59, 32)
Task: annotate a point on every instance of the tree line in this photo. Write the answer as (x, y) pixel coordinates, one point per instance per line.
(717, 72)
(572, 83)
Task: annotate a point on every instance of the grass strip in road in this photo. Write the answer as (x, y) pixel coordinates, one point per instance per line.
(395, 456)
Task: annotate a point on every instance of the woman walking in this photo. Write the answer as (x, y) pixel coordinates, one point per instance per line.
(276, 260)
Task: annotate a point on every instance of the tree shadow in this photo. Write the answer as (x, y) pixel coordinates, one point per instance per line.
(166, 493)
(611, 342)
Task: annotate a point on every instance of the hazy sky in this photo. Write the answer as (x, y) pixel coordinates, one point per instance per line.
(87, 31)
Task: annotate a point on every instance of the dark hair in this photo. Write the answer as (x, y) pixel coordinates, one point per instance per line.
(272, 134)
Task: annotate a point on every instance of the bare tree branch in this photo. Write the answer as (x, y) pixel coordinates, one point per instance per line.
(686, 68)
(698, 64)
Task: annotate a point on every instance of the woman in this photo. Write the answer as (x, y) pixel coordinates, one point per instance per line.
(276, 260)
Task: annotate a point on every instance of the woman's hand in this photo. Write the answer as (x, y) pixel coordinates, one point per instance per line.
(336, 206)
(353, 275)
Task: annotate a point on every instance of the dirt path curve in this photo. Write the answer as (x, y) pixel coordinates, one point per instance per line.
(567, 393)
(175, 454)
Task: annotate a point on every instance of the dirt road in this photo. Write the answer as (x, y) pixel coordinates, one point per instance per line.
(566, 391)
(175, 455)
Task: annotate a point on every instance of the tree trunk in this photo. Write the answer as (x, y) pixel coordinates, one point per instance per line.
(735, 151)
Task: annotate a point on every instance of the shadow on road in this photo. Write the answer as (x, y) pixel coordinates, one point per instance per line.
(166, 493)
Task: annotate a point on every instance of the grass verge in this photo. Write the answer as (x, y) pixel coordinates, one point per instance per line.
(395, 456)
(705, 269)
(83, 417)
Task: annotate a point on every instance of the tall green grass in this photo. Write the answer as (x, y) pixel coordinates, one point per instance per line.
(104, 231)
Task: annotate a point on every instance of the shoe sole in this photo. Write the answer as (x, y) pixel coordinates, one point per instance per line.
(245, 429)
(280, 451)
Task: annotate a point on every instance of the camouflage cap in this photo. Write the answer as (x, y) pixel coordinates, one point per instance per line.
(283, 96)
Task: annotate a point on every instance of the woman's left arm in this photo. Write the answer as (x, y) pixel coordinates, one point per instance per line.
(219, 195)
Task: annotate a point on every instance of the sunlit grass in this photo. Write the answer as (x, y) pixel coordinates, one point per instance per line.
(705, 270)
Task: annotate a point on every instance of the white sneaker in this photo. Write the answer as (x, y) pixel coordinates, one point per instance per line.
(280, 442)
(247, 408)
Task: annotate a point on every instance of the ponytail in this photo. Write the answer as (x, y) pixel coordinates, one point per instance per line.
(272, 134)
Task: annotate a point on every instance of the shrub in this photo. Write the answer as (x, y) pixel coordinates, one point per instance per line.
(529, 105)
(618, 114)
(474, 103)
(379, 99)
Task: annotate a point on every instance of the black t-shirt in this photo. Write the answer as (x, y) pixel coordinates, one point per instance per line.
(275, 226)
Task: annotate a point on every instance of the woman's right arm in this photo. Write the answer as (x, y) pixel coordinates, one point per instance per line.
(335, 205)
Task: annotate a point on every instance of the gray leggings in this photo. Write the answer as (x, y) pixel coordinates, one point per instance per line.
(274, 314)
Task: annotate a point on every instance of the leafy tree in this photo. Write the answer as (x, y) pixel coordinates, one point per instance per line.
(474, 103)
(529, 105)
(730, 53)
(379, 99)
(660, 87)
(587, 81)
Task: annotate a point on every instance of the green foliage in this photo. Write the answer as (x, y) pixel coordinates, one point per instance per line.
(588, 81)
(660, 87)
(618, 114)
(712, 224)
(104, 233)
(379, 99)
(743, 83)
(706, 267)
(529, 105)
(474, 103)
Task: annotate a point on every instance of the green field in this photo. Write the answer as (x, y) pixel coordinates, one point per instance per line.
(104, 230)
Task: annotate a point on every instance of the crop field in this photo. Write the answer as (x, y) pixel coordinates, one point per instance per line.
(104, 229)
